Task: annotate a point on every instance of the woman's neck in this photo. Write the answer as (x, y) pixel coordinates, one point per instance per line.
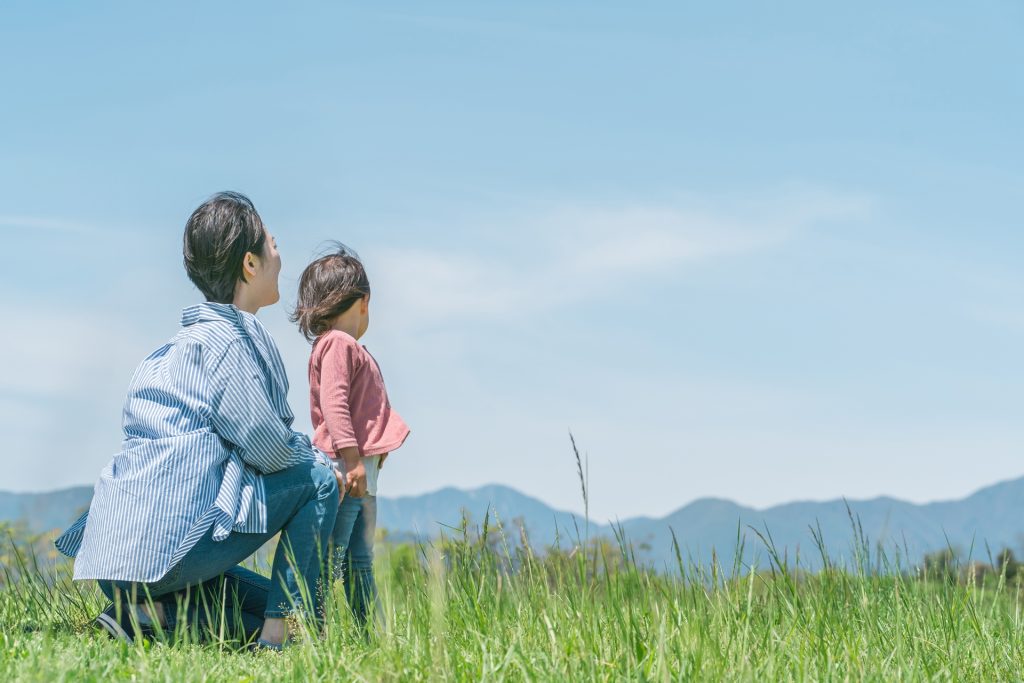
(245, 303)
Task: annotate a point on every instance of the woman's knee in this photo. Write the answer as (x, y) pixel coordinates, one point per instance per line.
(316, 480)
(325, 481)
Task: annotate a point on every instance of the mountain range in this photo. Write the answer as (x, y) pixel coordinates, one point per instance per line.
(993, 517)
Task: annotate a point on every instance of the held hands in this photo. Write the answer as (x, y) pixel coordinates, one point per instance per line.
(339, 474)
(356, 481)
(355, 472)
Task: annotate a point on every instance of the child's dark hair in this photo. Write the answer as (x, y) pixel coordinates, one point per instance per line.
(217, 237)
(328, 287)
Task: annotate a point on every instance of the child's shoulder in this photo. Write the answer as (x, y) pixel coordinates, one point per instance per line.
(335, 341)
(337, 337)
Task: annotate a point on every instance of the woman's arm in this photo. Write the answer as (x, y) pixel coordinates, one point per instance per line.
(242, 414)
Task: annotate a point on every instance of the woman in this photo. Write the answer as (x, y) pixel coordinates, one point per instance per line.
(209, 468)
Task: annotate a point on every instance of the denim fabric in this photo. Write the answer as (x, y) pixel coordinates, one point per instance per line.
(352, 555)
(237, 599)
(302, 503)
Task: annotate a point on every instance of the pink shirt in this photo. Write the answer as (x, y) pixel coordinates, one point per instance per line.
(347, 399)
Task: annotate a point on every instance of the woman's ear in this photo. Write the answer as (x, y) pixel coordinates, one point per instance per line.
(249, 265)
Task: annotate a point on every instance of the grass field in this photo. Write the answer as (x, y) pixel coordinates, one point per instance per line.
(474, 609)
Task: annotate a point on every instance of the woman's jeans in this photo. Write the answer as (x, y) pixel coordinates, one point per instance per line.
(302, 503)
(352, 555)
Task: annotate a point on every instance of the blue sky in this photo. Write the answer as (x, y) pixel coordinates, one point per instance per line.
(757, 251)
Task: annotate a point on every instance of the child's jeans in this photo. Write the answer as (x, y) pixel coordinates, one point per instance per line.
(352, 555)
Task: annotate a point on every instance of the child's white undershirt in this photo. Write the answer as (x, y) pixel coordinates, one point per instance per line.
(372, 465)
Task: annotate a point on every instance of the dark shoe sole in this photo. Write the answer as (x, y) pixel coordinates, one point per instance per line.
(113, 629)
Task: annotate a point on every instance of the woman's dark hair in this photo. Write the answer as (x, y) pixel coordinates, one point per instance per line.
(328, 287)
(217, 237)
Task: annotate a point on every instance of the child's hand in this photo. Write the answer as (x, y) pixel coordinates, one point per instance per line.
(355, 471)
(383, 457)
(356, 480)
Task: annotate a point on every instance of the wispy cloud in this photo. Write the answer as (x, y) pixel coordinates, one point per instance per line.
(39, 223)
(572, 253)
(73, 363)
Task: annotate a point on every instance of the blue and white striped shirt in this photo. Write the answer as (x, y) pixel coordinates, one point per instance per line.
(205, 415)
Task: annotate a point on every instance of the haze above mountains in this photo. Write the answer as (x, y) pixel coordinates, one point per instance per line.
(993, 515)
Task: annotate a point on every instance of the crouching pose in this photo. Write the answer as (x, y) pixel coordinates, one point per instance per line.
(210, 468)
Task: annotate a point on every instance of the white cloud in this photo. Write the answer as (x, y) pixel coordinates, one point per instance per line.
(574, 253)
(69, 384)
(67, 355)
(61, 393)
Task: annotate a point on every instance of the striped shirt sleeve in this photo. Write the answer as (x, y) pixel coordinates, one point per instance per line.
(242, 414)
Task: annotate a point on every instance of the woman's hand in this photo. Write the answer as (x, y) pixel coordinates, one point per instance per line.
(339, 474)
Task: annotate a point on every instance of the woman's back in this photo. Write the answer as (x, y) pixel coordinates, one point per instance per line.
(178, 471)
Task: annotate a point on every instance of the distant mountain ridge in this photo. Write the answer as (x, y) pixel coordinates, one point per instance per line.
(993, 515)
(44, 511)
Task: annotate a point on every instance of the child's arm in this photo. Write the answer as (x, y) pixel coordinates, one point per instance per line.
(338, 366)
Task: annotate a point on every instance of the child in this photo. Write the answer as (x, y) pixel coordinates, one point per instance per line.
(353, 421)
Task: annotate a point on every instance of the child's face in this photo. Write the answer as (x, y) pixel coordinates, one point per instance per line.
(364, 315)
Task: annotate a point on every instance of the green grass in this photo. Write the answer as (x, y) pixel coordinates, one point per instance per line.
(472, 609)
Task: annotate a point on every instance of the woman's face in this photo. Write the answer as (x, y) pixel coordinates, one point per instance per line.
(268, 269)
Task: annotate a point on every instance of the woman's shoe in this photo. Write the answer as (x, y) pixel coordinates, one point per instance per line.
(119, 624)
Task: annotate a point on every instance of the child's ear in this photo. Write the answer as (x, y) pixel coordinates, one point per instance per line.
(365, 304)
